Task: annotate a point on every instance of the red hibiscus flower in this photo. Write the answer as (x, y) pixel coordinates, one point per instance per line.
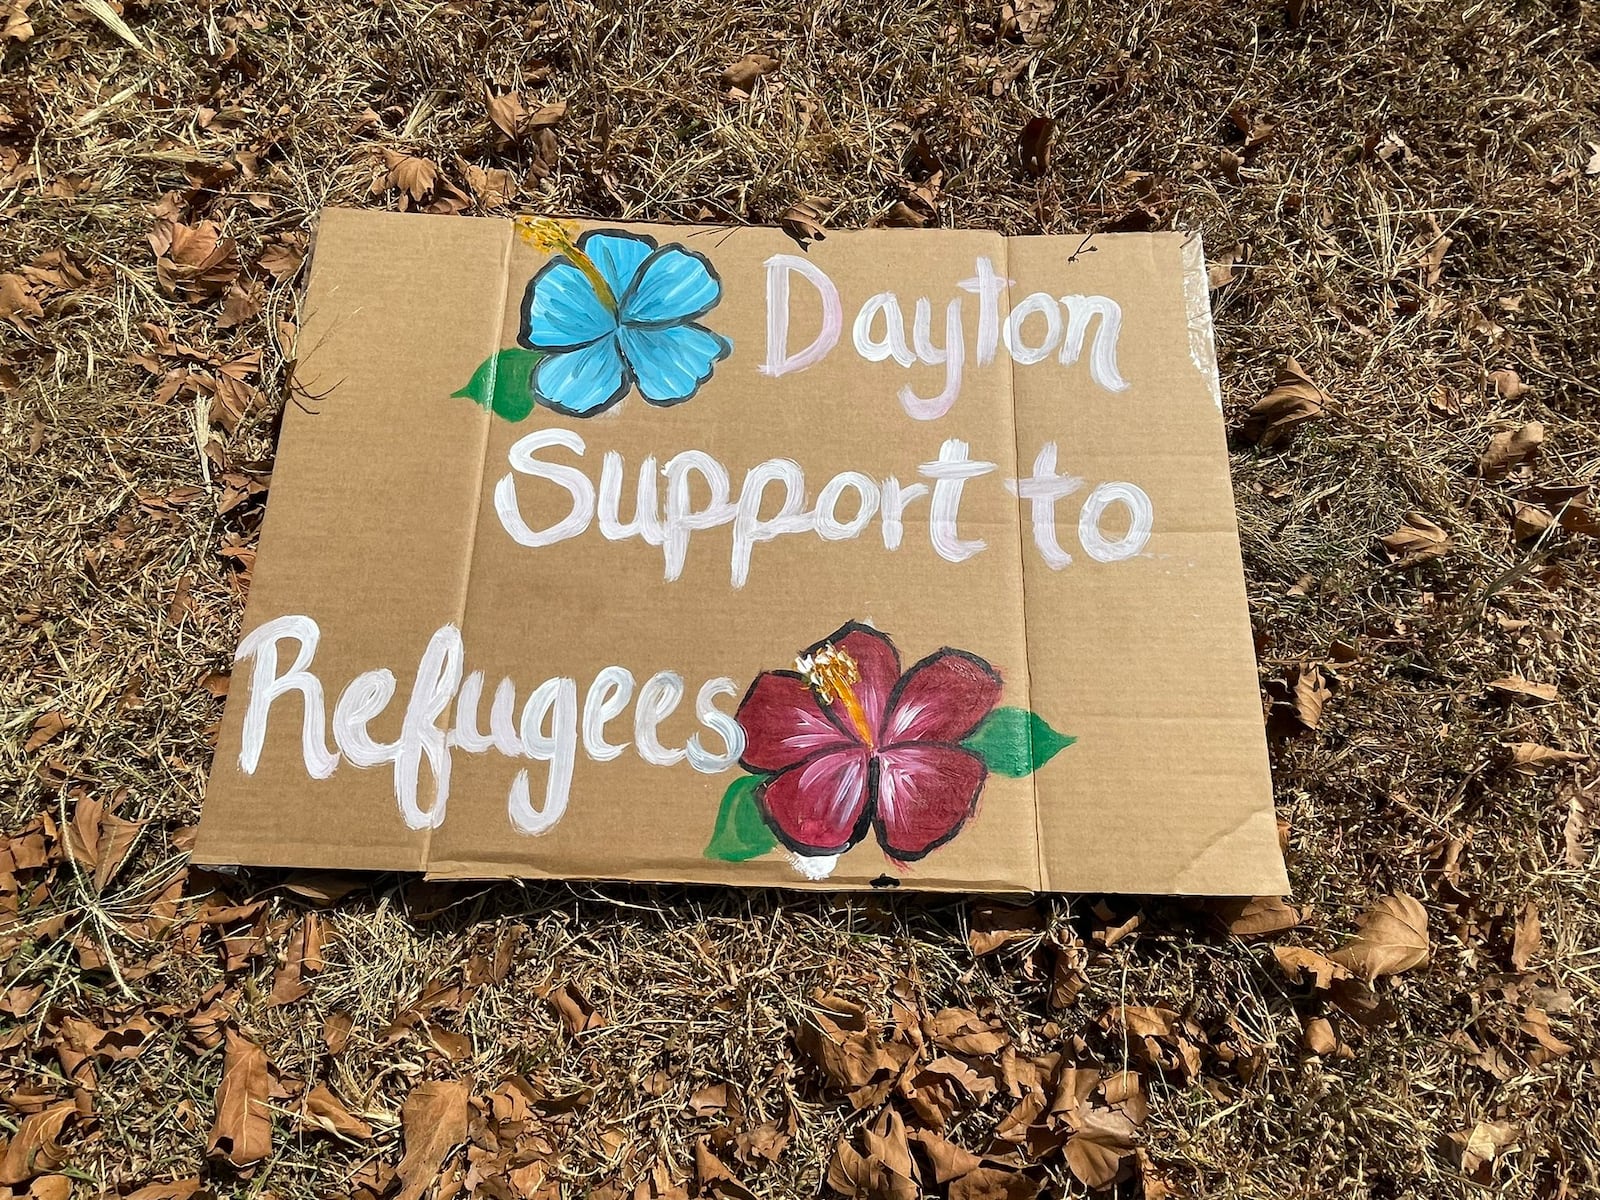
(849, 743)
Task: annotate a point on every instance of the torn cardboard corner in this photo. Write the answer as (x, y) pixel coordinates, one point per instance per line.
(671, 553)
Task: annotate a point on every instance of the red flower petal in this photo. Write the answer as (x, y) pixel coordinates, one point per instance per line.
(942, 698)
(819, 806)
(879, 663)
(925, 793)
(784, 725)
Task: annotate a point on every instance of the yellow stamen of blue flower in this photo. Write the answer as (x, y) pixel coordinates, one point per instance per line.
(831, 672)
(556, 237)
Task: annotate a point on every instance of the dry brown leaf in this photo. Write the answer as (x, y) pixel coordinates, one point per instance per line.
(194, 263)
(433, 1120)
(506, 112)
(1258, 916)
(993, 1183)
(1102, 1139)
(1033, 145)
(17, 302)
(1311, 692)
(1507, 451)
(1474, 1149)
(1319, 1038)
(1526, 938)
(1228, 265)
(1536, 1024)
(35, 1148)
(47, 727)
(1508, 385)
(1416, 541)
(949, 1160)
(1529, 521)
(1515, 687)
(803, 221)
(1393, 937)
(1304, 966)
(14, 23)
(964, 1032)
(743, 74)
(1529, 758)
(1583, 815)
(994, 924)
(574, 1009)
(412, 174)
(1293, 400)
(336, 1032)
(321, 1109)
(242, 1131)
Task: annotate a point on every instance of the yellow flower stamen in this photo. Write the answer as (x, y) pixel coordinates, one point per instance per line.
(555, 237)
(831, 672)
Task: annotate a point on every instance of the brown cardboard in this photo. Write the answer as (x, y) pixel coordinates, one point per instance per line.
(384, 530)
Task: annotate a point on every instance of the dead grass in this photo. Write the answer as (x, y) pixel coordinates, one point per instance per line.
(1392, 124)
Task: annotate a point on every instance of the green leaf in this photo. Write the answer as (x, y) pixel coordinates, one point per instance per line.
(1016, 742)
(740, 833)
(503, 383)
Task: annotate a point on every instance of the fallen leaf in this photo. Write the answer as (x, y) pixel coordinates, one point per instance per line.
(1417, 540)
(1529, 521)
(1592, 167)
(1228, 265)
(1101, 1141)
(1311, 693)
(1319, 1038)
(321, 1109)
(1508, 385)
(574, 1009)
(413, 175)
(992, 1183)
(1583, 815)
(1509, 450)
(1258, 916)
(194, 263)
(1474, 1149)
(1529, 758)
(949, 1160)
(1515, 687)
(14, 23)
(506, 112)
(1392, 937)
(1033, 146)
(1293, 400)
(17, 301)
(1304, 966)
(336, 1032)
(743, 74)
(1525, 940)
(242, 1131)
(433, 1120)
(47, 727)
(995, 924)
(35, 1148)
(803, 222)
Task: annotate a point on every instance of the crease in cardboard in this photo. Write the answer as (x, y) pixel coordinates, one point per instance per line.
(487, 420)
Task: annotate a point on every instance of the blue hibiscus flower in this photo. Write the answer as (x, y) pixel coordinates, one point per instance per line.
(615, 311)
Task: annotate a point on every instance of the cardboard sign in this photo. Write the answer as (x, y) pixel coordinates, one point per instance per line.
(679, 553)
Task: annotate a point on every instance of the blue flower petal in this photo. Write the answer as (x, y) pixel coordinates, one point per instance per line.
(560, 310)
(583, 382)
(673, 285)
(617, 255)
(670, 364)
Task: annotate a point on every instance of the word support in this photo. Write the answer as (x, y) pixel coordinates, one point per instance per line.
(845, 508)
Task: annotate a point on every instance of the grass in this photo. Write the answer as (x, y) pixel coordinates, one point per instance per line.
(1391, 124)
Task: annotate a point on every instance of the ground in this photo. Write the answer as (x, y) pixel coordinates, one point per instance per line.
(1400, 196)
